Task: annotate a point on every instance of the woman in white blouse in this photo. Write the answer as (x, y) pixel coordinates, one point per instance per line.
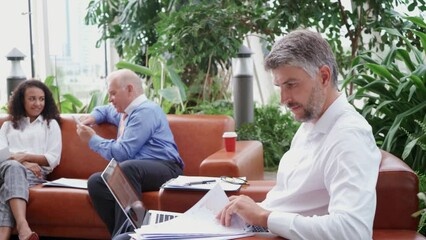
(33, 137)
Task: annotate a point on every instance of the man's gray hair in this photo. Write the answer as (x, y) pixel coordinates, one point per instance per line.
(304, 49)
(124, 77)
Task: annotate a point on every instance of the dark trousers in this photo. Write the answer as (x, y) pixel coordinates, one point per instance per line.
(144, 175)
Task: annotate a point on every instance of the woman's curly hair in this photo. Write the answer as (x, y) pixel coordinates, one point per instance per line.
(16, 107)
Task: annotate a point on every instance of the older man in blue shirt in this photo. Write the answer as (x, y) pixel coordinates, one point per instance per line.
(145, 147)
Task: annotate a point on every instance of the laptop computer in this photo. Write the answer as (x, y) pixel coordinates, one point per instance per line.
(127, 198)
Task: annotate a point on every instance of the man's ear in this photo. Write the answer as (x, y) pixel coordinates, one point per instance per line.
(325, 74)
(130, 88)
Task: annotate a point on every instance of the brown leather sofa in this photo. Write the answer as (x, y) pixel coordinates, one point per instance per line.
(397, 189)
(68, 212)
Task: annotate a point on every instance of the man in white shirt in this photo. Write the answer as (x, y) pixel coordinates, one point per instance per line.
(326, 182)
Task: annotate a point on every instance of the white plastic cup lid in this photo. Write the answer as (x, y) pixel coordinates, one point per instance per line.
(229, 134)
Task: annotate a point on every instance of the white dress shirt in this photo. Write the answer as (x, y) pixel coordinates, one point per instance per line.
(326, 182)
(34, 138)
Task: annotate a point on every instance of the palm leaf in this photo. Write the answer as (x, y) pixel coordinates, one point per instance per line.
(395, 126)
(405, 56)
(382, 71)
(134, 67)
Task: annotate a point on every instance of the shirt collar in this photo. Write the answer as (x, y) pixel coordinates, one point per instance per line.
(329, 117)
(135, 103)
(26, 120)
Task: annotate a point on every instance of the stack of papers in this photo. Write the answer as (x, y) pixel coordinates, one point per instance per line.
(67, 182)
(199, 183)
(199, 222)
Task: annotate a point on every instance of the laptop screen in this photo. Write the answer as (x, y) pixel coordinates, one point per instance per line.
(124, 193)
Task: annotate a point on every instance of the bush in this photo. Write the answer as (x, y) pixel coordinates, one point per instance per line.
(274, 129)
(393, 91)
(217, 107)
(422, 188)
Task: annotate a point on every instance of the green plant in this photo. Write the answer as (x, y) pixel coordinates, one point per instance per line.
(202, 39)
(68, 103)
(392, 90)
(422, 204)
(274, 129)
(201, 36)
(418, 138)
(217, 107)
(97, 98)
(131, 24)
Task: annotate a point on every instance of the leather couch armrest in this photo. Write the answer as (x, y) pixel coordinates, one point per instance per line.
(397, 188)
(246, 161)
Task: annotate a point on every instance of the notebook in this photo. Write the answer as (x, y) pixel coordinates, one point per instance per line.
(127, 198)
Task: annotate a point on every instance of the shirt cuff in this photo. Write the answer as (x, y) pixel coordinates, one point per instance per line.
(281, 223)
(95, 142)
(52, 160)
(96, 115)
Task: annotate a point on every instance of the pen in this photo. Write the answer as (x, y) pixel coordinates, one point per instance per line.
(200, 182)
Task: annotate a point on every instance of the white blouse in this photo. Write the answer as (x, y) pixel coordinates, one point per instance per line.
(34, 138)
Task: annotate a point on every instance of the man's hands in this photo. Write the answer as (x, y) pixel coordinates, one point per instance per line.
(87, 120)
(83, 130)
(246, 208)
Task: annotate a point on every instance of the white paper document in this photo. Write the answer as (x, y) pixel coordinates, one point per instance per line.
(199, 183)
(67, 182)
(199, 222)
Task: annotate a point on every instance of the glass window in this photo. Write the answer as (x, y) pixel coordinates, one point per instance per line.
(63, 46)
(74, 60)
(15, 34)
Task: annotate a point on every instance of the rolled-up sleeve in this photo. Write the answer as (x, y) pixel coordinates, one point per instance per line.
(53, 144)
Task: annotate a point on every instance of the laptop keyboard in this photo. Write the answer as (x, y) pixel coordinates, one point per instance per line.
(164, 217)
(255, 228)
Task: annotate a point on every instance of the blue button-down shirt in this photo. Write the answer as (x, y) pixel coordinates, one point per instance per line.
(146, 136)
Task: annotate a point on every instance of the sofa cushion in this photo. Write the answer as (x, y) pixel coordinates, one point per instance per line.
(77, 160)
(198, 136)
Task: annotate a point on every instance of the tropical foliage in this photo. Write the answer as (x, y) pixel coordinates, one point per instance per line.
(130, 23)
(422, 204)
(68, 103)
(274, 129)
(200, 36)
(393, 93)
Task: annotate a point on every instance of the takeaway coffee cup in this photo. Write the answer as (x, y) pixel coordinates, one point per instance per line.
(230, 141)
